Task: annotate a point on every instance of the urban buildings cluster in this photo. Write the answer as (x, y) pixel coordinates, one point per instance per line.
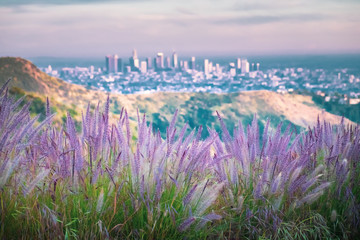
(174, 74)
(160, 63)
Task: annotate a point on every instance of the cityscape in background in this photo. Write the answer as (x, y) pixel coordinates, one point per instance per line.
(195, 74)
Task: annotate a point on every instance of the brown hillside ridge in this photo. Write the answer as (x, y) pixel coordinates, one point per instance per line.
(298, 109)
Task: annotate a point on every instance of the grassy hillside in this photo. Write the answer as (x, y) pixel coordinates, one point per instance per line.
(194, 108)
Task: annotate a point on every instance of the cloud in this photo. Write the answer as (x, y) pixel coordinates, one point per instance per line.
(62, 2)
(266, 5)
(184, 11)
(264, 19)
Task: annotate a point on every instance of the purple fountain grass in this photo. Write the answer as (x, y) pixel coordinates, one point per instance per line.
(182, 180)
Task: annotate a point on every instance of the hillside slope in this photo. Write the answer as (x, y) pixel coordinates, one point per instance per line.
(194, 108)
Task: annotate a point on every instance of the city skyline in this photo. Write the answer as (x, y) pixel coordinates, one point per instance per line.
(92, 28)
(115, 64)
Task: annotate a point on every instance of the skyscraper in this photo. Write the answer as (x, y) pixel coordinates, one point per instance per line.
(111, 63)
(134, 61)
(218, 69)
(175, 60)
(192, 63)
(245, 66)
(160, 61)
(211, 68)
(134, 54)
(155, 63)
(116, 63)
(206, 66)
(186, 65)
(258, 67)
(238, 65)
(120, 66)
(143, 67)
(168, 62)
(148, 62)
(107, 63)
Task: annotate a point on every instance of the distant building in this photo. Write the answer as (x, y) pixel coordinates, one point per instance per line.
(168, 62)
(211, 68)
(148, 62)
(217, 69)
(134, 61)
(186, 65)
(111, 63)
(206, 67)
(192, 63)
(155, 63)
(160, 61)
(120, 66)
(175, 60)
(258, 67)
(245, 66)
(143, 67)
(238, 65)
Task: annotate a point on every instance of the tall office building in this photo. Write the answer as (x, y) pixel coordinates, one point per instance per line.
(134, 54)
(211, 68)
(206, 66)
(245, 66)
(175, 60)
(120, 66)
(238, 65)
(143, 67)
(218, 69)
(168, 62)
(160, 61)
(134, 61)
(252, 67)
(148, 62)
(116, 58)
(192, 63)
(186, 65)
(107, 63)
(111, 63)
(258, 67)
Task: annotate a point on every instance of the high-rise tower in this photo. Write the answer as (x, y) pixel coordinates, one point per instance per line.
(175, 60)
(134, 61)
(192, 63)
(160, 61)
(206, 66)
(245, 66)
(111, 63)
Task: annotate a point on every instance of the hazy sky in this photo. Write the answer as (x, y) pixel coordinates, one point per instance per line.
(79, 28)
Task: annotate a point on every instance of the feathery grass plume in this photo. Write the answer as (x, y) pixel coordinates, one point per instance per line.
(186, 224)
(208, 197)
(100, 201)
(4, 86)
(207, 218)
(7, 169)
(36, 180)
(189, 196)
(74, 143)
